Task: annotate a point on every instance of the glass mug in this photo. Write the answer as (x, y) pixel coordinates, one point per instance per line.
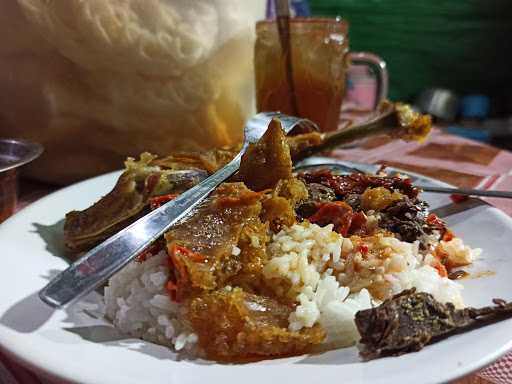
(320, 59)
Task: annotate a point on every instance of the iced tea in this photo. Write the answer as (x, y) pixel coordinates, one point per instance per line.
(319, 58)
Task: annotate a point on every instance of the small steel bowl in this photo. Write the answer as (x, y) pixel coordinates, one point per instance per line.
(13, 154)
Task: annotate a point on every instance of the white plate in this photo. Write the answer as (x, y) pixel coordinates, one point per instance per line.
(75, 346)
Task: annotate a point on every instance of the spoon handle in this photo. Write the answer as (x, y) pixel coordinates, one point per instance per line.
(468, 192)
(96, 266)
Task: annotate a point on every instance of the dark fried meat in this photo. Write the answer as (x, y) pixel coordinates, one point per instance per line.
(408, 218)
(317, 194)
(410, 320)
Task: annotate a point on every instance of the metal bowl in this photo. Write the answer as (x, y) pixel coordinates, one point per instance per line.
(13, 154)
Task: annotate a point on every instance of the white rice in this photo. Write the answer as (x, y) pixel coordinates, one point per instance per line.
(301, 253)
(139, 305)
(313, 260)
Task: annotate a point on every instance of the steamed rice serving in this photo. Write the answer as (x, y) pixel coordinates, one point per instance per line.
(310, 257)
(273, 263)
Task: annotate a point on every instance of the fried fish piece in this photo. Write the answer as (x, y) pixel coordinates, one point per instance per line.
(126, 202)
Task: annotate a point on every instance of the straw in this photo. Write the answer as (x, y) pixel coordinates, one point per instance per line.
(283, 25)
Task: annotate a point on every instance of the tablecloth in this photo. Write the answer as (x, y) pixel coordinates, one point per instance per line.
(452, 159)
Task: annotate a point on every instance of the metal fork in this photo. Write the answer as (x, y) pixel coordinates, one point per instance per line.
(427, 188)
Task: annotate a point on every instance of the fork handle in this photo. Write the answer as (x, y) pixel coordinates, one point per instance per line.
(468, 192)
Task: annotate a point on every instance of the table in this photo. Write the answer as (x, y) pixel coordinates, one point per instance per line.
(452, 159)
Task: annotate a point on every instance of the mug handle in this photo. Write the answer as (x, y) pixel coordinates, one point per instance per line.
(381, 71)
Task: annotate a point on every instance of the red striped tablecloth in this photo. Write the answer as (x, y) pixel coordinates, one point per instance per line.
(446, 157)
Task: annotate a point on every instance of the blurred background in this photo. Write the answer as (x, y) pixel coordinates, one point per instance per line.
(99, 80)
(460, 48)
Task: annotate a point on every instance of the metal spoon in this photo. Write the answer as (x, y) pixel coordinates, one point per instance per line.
(104, 260)
(100, 263)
